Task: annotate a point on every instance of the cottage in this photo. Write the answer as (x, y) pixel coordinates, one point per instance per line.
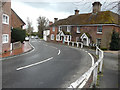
(90, 28)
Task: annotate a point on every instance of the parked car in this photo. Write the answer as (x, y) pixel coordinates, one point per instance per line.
(26, 38)
(36, 37)
(32, 37)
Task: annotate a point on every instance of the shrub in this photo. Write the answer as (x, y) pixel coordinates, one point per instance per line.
(114, 45)
(18, 34)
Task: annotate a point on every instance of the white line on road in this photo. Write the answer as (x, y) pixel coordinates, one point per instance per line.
(59, 52)
(33, 64)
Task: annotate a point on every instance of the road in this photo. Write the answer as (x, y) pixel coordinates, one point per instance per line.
(47, 66)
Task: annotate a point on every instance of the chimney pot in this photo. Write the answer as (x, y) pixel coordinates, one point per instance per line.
(96, 7)
(55, 20)
(76, 12)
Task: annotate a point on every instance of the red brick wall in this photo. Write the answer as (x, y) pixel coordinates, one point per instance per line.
(15, 21)
(92, 30)
(53, 32)
(6, 29)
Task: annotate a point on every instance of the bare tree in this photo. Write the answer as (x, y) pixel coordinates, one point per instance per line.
(29, 29)
(42, 24)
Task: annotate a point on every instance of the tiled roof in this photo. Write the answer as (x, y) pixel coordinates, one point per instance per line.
(103, 17)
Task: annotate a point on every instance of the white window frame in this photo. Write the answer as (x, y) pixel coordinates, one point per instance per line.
(5, 19)
(52, 36)
(5, 38)
(53, 29)
(60, 28)
(98, 29)
(78, 30)
(57, 38)
(68, 28)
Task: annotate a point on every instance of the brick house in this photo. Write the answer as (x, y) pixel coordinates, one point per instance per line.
(8, 19)
(17, 22)
(5, 40)
(90, 28)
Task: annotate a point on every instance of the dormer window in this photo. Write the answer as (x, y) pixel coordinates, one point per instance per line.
(99, 30)
(68, 28)
(78, 30)
(5, 19)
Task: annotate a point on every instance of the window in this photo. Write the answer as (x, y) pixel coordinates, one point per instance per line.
(98, 41)
(99, 29)
(53, 29)
(60, 28)
(77, 39)
(68, 28)
(5, 19)
(5, 38)
(57, 37)
(52, 36)
(78, 29)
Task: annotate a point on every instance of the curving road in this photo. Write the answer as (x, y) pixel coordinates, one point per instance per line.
(47, 66)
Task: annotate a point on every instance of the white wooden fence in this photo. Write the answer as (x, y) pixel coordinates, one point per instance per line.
(81, 82)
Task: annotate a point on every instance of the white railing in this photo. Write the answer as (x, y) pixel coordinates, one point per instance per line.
(81, 82)
(79, 44)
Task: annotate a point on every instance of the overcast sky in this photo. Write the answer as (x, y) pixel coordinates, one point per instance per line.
(54, 8)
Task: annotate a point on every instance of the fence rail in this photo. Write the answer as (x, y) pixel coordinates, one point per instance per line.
(80, 83)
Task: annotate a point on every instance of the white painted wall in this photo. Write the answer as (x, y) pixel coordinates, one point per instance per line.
(45, 34)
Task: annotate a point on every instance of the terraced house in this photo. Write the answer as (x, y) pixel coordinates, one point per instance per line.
(90, 28)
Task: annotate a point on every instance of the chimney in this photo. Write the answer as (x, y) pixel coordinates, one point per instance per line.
(50, 22)
(96, 7)
(76, 12)
(55, 20)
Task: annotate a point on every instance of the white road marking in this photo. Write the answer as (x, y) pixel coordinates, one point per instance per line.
(24, 67)
(91, 58)
(59, 52)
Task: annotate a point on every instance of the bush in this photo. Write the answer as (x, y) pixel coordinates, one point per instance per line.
(114, 45)
(18, 34)
(104, 48)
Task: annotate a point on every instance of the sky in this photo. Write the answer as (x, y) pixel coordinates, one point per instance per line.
(54, 8)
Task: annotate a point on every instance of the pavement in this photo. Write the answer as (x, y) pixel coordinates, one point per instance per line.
(109, 77)
(47, 66)
(25, 48)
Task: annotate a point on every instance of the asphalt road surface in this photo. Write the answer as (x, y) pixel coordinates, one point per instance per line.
(47, 66)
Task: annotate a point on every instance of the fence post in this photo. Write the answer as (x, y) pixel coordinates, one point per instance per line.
(81, 45)
(101, 63)
(95, 75)
(73, 44)
(77, 44)
(68, 43)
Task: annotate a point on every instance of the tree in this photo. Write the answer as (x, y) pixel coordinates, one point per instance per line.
(29, 29)
(18, 34)
(42, 24)
(114, 45)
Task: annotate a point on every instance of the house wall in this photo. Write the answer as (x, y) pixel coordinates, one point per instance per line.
(15, 21)
(53, 32)
(6, 29)
(0, 27)
(92, 30)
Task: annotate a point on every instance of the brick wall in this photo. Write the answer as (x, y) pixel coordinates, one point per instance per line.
(15, 20)
(6, 29)
(92, 30)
